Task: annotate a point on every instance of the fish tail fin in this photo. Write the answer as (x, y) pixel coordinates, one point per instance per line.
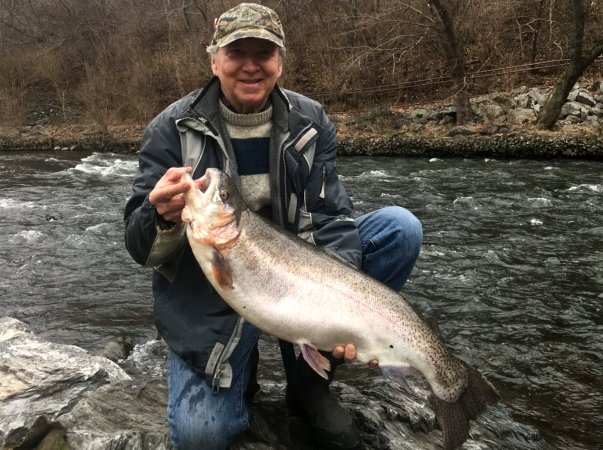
(454, 417)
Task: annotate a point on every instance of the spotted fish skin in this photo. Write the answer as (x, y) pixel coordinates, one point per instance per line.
(295, 291)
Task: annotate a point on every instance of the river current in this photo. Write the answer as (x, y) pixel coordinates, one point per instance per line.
(511, 267)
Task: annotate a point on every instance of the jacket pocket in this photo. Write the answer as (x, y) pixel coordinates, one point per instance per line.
(323, 191)
(297, 170)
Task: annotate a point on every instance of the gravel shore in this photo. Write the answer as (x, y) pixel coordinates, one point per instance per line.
(515, 145)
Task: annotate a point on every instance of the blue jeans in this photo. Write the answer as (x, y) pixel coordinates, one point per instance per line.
(201, 419)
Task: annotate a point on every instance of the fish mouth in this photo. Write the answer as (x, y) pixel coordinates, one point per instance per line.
(212, 222)
(204, 182)
(209, 183)
(204, 206)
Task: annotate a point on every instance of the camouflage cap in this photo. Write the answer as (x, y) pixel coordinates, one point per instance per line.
(248, 20)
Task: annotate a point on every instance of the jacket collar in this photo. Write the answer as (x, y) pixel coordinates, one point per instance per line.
(287, 119)
(205, 105)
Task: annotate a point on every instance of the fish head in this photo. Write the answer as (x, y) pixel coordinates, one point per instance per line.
(213, 209)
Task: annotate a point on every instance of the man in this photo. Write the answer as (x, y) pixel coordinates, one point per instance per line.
(282, 147)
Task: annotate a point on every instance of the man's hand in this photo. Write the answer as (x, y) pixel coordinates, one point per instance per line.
(168, 194)
(348, 353)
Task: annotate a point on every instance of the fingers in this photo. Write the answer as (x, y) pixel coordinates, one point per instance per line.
(348, 353)
(338, 351)
(167, 195)
(171, 184)
(172, 211)
(172, 179)
(175, 173)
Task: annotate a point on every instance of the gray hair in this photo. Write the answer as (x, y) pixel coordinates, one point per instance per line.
(212, 49)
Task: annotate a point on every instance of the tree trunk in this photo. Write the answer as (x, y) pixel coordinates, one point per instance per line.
(536, 33)
(552, 109)
(456, 54)
(579, 62)
(189, 18)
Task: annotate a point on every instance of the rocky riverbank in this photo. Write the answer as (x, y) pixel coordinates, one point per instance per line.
(504, 126)
(60, 397)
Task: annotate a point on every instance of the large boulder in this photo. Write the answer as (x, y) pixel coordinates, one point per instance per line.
(582, 96)
(53, 393)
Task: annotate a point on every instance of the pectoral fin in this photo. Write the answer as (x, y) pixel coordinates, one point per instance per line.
(221, 271)
(315, 360)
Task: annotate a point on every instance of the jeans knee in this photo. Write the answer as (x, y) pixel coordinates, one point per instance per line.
(391, 239)
(406, 227)
(208, 433)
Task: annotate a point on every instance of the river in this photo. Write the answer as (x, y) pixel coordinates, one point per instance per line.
(511, 267)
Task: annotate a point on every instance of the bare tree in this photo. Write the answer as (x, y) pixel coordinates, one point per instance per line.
(193, 11)
(52, 67)
(581, 57)
(536, 26)
(455, 50)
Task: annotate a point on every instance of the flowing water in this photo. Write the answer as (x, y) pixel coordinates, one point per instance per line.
(511, 267)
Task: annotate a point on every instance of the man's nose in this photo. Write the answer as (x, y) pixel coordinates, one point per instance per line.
(250, 64)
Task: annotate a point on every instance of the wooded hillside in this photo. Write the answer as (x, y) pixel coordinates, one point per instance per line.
(124, 60)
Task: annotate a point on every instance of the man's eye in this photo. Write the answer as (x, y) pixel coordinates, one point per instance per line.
(266, 55)
(234, 53)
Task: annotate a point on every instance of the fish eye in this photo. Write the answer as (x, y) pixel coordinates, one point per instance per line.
(224, 195)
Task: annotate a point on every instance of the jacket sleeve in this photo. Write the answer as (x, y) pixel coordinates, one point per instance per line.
(150, 240)
(328, 202)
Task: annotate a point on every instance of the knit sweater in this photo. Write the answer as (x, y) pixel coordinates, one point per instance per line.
(250, 137)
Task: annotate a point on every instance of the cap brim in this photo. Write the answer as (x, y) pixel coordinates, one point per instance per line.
(250, 33)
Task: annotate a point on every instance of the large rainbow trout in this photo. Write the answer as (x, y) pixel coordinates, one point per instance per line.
(295, 291)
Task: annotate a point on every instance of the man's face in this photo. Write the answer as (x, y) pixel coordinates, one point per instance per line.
(248, 70)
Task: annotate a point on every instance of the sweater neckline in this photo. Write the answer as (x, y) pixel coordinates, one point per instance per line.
(245, 120)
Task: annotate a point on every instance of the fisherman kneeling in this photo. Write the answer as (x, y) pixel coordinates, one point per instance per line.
(280, 147)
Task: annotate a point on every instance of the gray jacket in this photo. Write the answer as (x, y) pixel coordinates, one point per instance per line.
(307, 199)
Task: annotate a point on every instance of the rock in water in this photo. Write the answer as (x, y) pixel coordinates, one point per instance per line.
(117, 348)
(45, 387)
(60, 397)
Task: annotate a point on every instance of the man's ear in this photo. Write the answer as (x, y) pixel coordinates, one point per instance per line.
(214, 65)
